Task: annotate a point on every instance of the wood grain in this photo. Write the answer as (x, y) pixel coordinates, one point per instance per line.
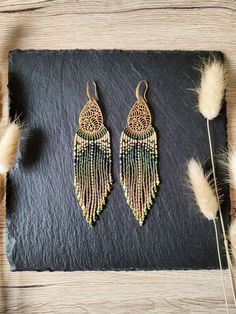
(122, 24)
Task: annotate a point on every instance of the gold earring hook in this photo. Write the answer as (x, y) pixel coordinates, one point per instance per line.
(88, 90)
(138, 89)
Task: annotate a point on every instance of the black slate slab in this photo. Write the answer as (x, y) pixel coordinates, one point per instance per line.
(45, 226)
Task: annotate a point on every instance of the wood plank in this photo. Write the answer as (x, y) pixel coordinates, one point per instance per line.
(116, 292)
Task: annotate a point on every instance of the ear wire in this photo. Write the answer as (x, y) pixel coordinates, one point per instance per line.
(88, 90)
(138, 89)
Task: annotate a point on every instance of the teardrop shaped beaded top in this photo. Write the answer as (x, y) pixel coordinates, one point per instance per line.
(91, 119)
(139, 119)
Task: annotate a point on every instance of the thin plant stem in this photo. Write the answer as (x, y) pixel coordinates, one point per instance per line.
(220, 213)
(220, 264)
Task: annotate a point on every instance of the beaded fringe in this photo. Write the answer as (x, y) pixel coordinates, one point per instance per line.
(139, 170)
(92, 171)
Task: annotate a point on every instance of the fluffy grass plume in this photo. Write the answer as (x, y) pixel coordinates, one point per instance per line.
(8, 146)
(212, 88)
(202, 189)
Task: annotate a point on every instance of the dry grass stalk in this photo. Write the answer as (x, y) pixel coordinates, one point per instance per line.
(210, 97)
(208, 204)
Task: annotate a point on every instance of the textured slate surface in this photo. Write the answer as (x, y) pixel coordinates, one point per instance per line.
(45, 227)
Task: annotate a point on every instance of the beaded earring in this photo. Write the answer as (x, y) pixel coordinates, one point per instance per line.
(92, 159)
(138, 158)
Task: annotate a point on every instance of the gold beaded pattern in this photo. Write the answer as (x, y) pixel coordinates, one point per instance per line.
(139, 160)
(91, 120)
(139, 118)
(92, 161)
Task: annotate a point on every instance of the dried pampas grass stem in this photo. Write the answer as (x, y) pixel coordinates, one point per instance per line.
(226, 244)
(220, 264)
(210, 96)
(214, 177)
(8, 146)
(208, 204)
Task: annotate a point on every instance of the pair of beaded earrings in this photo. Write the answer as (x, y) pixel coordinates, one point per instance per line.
(138, 158)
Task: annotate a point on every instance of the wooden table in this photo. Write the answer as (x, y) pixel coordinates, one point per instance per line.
(122, 24)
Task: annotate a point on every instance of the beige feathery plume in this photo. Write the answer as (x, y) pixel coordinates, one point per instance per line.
(8, 146)
(212, 88)
(202, 189)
